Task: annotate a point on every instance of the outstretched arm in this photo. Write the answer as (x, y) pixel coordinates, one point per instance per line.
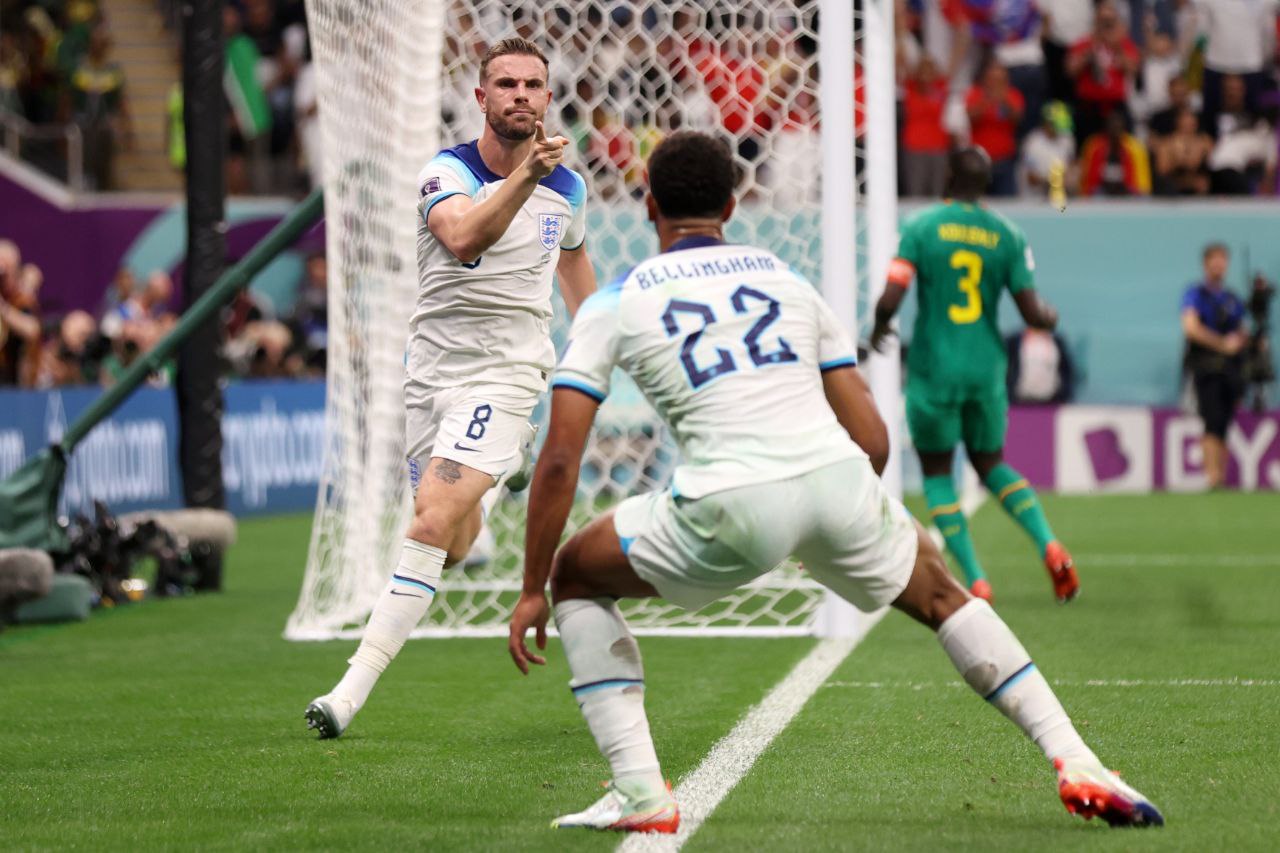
(850, 398)
(555, 481)
(467, 229)
(577, 277)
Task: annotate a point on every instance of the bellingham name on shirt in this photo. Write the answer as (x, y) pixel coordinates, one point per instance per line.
(654, 274)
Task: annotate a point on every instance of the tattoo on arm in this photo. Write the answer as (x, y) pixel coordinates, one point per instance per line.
(447, 470)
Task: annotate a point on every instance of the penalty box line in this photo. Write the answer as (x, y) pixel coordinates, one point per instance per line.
(733, 756)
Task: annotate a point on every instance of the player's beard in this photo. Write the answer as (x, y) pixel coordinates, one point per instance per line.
(508, 129)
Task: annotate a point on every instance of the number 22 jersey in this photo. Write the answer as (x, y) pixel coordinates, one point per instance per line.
(729, 345)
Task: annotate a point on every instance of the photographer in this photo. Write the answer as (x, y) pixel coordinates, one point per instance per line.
(1213, 323)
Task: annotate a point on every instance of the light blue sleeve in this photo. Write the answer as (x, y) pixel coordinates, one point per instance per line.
(592, 351)
(443, 177)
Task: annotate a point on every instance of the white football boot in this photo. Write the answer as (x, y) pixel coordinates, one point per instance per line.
(330, 715)
(618, 812)
(1091, 790)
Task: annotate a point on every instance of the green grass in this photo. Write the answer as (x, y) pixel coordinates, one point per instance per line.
(178, 724)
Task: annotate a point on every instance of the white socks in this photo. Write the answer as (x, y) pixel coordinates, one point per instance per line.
(990, 658)
(399, 610)
(608, 682)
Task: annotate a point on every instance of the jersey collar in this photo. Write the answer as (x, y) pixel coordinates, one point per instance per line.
(697, 242)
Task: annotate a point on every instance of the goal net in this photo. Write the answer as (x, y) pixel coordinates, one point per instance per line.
(395, 83)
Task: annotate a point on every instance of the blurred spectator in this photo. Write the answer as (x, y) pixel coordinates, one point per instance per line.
(19, 319)
(1182, 158)
(1180, 98)
(1040, 368)
(1213, 324)
(249, 115)
(995, 110)
(98, 106)
(147, 305)
(309, 322)
(1103, 67)
(1048, 146)
(1160, 65)
(1243, 160)
(306, 115)
(280, 50)
(1239, 40)
(74, 356)
(13, 73)
(261, 350)
(925, 142)
(1114, 163)
(1066, 23)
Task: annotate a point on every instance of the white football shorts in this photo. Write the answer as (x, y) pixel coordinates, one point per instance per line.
(851, 535)
(481, 426)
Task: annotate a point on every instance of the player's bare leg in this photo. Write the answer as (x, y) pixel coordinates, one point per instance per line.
(1019, 500)
(992, 661)
(944, 509)
(590, 573)
(446, 521)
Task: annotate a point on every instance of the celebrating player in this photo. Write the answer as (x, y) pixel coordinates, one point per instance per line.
(962, 257)
(759, 384)
(497, 215)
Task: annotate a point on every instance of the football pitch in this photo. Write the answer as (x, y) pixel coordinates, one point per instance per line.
(178, 724)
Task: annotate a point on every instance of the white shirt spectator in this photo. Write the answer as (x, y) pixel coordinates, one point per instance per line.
(1240, 33)
(1069, 20)
(1039, 153)
(1244, 147)
(1157, 71)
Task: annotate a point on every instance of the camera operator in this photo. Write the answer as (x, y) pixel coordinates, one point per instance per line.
(1213, 323)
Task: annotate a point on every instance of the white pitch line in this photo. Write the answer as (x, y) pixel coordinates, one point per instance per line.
(732, 758)
(1224, 561)
(1093, 682)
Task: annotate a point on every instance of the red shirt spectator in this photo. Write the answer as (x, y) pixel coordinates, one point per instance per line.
(1103, 63)
(922, 106)
(995, 108)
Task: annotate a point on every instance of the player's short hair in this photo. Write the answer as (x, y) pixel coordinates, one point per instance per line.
(1215, 248)
(510, 47)
(691, 174)
(968, 172)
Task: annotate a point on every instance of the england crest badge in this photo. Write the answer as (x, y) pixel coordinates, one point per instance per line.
(550, 227)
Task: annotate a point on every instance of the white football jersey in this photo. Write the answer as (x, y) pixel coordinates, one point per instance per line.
(489, 321)
(728, 344)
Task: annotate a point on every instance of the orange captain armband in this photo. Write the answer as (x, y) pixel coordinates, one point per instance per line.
(901, 272)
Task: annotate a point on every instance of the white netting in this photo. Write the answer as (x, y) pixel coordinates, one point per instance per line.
(622, 73)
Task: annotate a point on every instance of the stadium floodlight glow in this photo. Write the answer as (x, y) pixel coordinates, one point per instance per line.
(396, 82)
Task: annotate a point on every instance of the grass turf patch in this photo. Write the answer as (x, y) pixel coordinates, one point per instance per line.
(179, 723)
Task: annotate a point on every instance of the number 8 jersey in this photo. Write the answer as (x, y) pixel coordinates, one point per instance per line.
(729, 345)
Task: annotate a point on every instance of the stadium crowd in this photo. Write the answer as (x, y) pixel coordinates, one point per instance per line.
(1118, 97)
(1121, 98)
(83, 348)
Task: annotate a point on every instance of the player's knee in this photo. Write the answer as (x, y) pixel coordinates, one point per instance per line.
(940, 595)
(985, 463)
(430, 528)
(567, 579)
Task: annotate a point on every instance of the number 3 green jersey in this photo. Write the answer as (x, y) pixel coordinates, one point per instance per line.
(964, 257)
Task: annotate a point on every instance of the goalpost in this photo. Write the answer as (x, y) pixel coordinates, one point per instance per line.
(395, 83)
